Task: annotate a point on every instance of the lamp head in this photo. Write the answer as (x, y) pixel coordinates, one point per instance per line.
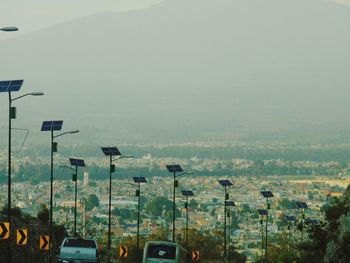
(9, 29)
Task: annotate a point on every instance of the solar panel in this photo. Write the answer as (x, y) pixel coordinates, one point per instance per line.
(111, 151)
(174, 168)
(77, 162)
(266, 194)
(225, 182)
(230, 203)
(262, 212)
(10, 85)
(187, 193)
(301, 205)
(139, 179)
(290, 218)
(51, 126)
(311, 221)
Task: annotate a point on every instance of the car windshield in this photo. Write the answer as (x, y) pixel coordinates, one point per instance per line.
(162, 251)
(79, 243)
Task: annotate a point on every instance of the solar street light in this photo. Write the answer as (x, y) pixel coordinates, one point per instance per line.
(111, 152)
(11, 86)
(77, 163)
(290, 219)
(225, 184)
(9, 29)
(262, 213)
(187, 194)
(51, 126)
(267, 195)
(302, 206)
(175, 168)
(138, 180)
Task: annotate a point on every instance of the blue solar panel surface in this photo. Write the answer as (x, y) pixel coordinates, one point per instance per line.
(77, 162)
(230, 203)
(52, 126)
(311, 221)
(111, 151)
(174, 168)
(290, 218)
(262, 212)
(139, 179)
(225, 183)
(10, 85)
(187, 193)
(301, 204)
(266, 194)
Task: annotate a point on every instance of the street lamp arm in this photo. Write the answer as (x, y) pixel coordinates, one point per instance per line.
(69, 132)
(123, 157)
(185, 173)
(65, 166)
(9, 29)
(28, 94)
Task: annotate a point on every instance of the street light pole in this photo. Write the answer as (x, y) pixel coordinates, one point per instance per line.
(51, 196)
(175, 168)
(174, 206)
(187, 223)
(225, 232)
(267, 195)
(138, 220)
(225, 184)
(187, 194)
(138, 180)
(75, 201)
(110, 152)
(9, 178)
(229, 215)
(11, 86)
(52, 126)
(267, 218)
(109, 208)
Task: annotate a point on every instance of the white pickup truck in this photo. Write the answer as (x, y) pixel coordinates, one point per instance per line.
(78, 250)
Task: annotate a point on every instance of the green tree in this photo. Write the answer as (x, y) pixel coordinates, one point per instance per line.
(43, 214)
(91, 202)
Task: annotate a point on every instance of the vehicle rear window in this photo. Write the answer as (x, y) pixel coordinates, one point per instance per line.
(79, 243)
(161, 251)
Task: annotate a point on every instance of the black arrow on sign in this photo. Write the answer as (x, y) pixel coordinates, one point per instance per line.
(23, 237)
(3, 230)
(195, 255)
(45, 242)
(124, 252)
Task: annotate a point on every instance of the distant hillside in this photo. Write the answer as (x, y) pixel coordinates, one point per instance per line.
(187, 70)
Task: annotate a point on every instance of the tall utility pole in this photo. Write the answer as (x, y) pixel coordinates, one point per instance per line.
(111, 152)
(10, 86)
(52, 126)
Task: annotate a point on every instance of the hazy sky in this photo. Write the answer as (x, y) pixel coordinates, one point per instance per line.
(37, 14)
(34, 15)
(180, 70)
